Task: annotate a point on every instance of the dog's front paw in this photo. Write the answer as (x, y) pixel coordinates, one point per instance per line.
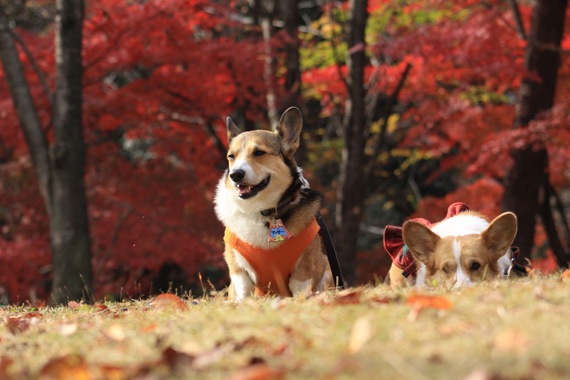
(243, 287)
(300, 287)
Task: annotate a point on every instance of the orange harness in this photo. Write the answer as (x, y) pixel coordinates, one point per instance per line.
(273, 267)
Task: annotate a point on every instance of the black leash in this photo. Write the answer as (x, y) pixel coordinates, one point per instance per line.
(331, 252)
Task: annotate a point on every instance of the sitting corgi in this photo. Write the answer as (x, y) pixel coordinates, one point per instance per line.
(272, 242)
(463, 248)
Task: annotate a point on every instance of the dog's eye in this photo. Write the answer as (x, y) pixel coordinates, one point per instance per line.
(231, 157)
(258, 153)
(446, 268)
(475, 266)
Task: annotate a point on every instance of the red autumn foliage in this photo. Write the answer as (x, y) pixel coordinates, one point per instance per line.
(160, 76)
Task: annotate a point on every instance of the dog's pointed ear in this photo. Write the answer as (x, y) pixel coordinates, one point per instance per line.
(420, 240)
(289, 129)
(231, 129)
(500, 234)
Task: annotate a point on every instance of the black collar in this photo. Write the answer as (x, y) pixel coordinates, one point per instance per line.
(282, 204)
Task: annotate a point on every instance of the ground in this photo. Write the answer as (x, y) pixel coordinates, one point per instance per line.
(510, 329)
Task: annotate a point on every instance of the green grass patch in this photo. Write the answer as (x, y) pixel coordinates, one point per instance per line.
(513, 329)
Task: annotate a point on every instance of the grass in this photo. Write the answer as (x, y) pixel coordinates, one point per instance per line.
(514, 329)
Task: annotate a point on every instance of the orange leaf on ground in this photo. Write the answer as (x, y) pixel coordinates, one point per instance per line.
(565, 275)
(420, 301)
(100, 307)
(168, 302)
(69, 367)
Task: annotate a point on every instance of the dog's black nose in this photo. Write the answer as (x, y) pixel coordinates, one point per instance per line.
(237, 175)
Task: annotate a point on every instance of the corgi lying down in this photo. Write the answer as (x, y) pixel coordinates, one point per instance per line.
(463, 248)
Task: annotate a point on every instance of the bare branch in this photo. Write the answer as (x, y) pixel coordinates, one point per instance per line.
(518, 19)
(388, 108)
(34, 64)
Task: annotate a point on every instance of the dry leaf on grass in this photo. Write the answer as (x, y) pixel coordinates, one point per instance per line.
(115, 332)
(347, 297)
(565, 275)
(69, 367)
(512, 340)
(168, 302)
(420, 301)
(17, 325)
(360, 334)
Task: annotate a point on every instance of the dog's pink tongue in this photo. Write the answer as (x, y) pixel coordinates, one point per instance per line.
(244, 189)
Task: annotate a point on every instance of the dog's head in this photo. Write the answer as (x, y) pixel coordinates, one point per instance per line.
(261, 166)
(459, 260)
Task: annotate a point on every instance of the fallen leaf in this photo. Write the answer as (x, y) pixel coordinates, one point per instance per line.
(258, 372)
(73, 305)
(360, 334)
(420, 301)
(168, 302)
(115, 332)
(512, 340)
(5, 364)
(149, 328)
(67, 329)
(176, 360)
(565, 275)
(347, 297)
(100, 308)
(17, 325)
(69, 367)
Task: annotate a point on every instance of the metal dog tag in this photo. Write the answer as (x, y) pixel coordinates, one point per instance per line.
(277, 231)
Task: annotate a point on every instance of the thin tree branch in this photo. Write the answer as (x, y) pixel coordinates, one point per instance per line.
(388, 108)
(518, 19)
(34, 64)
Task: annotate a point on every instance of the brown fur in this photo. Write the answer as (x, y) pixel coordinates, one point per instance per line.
(479, 257)
(277, 163)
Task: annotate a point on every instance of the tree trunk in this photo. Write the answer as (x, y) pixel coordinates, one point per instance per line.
(351, 188)
(26, 110)
(72, 276)
(289, 12)
(290, 15)
(525, 178)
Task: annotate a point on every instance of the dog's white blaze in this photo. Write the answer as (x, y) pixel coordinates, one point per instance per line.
(461, 225)
(421, 274)
(297, 287)
(460, 277)
(242, 285)
(244, 165)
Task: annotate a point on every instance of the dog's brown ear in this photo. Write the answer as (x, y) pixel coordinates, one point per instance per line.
(231, 129)
(500, 234)
(289, 129)
(420, 240)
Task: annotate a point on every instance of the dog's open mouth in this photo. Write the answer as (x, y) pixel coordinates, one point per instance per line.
(248, 191)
